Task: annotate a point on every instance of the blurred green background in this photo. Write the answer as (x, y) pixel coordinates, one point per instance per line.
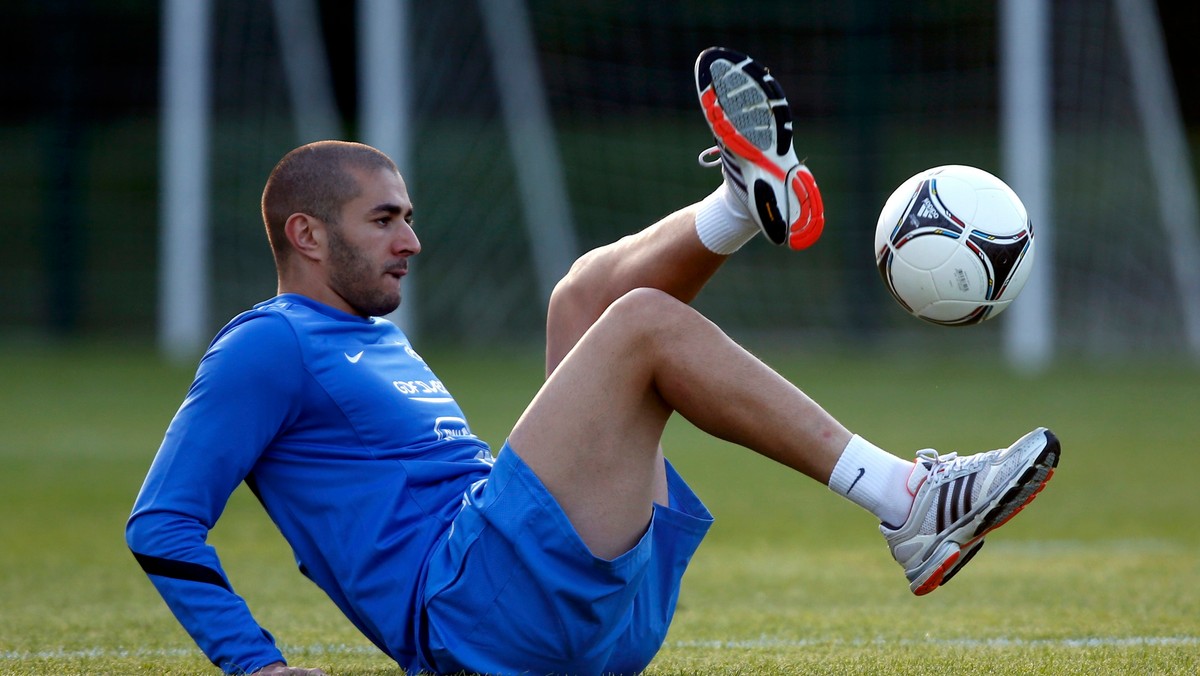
(879, 90)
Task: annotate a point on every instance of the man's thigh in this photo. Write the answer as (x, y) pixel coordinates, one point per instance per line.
(592, 432)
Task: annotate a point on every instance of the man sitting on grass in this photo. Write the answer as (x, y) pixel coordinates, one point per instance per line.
(564, 552)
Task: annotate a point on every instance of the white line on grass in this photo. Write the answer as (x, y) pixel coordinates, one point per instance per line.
(740, 644)
(1001, 642)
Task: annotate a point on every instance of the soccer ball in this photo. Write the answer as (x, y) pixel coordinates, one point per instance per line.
(954, 245)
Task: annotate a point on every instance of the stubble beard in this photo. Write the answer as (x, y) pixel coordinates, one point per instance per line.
(354, 278)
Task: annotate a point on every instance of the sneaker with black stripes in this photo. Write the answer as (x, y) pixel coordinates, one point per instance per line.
(749, 116)
(958, 500)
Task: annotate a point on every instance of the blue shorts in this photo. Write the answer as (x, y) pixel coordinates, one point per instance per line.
(513, 589)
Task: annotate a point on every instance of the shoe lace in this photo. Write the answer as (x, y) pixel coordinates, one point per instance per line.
(710, 157)
(943, 468)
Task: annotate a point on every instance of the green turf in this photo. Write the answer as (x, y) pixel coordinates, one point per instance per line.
(1100, 575)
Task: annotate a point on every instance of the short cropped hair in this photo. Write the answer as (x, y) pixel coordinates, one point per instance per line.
(315, 179)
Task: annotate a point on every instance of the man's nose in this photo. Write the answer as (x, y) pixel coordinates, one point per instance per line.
(407, 243)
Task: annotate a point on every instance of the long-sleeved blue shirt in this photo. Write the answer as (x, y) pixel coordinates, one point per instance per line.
(354, 447)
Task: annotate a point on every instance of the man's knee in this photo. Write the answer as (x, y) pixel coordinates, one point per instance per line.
(648, 312)
(639, 318)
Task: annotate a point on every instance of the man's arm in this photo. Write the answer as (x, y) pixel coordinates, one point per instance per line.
(241, 397)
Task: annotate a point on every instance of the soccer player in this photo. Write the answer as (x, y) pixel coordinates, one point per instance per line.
(563, 552)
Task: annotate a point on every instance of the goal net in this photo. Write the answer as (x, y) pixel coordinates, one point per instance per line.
(879, 91)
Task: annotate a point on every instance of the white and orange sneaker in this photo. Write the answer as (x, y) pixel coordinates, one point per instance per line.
(748, 113)
(958, 500)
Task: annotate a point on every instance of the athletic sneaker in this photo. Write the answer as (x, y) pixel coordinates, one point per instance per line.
(750, 120)
(959, 500)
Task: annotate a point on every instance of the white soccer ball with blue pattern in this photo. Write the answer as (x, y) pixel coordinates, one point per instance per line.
(954, 245)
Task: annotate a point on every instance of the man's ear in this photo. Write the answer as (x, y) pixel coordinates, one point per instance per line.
(307, 235)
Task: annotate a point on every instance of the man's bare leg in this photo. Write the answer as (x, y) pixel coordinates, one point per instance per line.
(592, 432)
(592, 435)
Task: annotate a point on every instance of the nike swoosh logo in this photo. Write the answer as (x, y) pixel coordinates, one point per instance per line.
(353, 359)
(861, 472)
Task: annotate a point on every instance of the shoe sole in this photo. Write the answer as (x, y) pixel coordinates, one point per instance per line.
(950, 557)
(770, 208)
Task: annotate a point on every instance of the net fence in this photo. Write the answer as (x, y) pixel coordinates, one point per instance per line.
(879, 91)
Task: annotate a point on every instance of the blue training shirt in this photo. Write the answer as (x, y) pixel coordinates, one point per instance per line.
(354, 447)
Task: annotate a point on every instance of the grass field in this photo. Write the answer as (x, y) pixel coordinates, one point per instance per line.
(1100, 575)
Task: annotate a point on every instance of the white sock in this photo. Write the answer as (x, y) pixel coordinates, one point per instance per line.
(723, 223)
(874, 479)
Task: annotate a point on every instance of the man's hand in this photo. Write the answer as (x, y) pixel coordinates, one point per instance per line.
(281, 669)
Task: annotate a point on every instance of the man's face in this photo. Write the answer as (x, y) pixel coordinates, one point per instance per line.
(370, 245)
